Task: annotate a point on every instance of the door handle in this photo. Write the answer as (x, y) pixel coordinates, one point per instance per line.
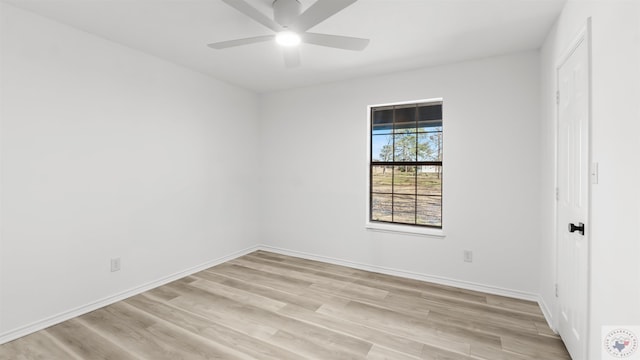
(579, 228)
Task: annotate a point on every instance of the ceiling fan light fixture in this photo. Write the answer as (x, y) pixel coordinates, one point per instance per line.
(288, 38)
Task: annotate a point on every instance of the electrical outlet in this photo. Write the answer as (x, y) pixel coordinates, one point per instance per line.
(115, 264)
(468, 256)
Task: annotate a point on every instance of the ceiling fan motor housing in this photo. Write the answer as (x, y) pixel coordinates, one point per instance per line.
(285, 12)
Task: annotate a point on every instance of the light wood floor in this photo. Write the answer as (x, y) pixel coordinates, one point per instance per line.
(270, 306)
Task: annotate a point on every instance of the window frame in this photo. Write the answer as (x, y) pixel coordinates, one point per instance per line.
(385, 226)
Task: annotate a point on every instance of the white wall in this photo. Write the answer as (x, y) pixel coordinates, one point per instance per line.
(615, 229)
(108, 152)
(314, 173)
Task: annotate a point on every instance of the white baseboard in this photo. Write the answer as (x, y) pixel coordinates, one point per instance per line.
(56, 319)
(548, 314)
(408, 274)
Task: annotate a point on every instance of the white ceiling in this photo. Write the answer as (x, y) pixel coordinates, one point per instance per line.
(405, 34)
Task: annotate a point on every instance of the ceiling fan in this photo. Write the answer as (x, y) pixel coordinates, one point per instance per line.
(290, 27)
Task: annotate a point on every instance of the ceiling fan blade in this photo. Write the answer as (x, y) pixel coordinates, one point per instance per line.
(253, 13)
(238, 42)
(318, 12)
(291, 56)
(336, 41)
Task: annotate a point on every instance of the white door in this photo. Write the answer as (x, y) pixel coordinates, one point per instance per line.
(573, 199)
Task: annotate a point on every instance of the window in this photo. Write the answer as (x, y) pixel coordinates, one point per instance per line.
(405, 170)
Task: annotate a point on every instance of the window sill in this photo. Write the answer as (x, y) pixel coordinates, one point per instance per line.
(405, 229)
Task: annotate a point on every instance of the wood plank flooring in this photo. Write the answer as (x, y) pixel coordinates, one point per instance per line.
(270, 306)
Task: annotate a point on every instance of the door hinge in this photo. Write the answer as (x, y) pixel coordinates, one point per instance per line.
(557, 97)
(556, 290)
(594, 173)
